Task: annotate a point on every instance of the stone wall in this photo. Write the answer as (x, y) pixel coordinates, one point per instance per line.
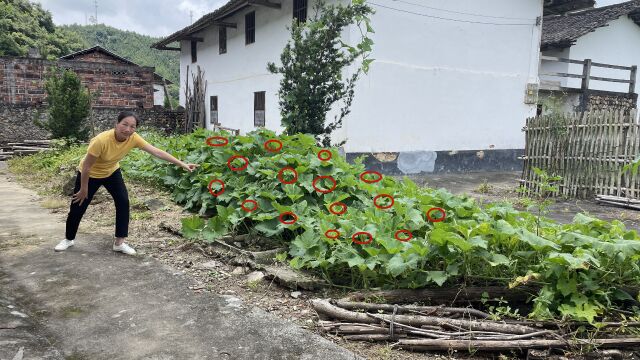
(17, 121)
(115, 85)
(604, 100)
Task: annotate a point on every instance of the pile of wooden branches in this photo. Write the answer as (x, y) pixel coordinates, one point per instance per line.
(428, 328)
(27, 147)
(195, 110)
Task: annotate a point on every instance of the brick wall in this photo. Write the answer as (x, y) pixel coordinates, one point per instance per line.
(116, 85)
(17, 121)
(97, 56)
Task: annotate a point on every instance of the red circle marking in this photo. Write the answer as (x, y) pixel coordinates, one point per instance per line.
(221, 190)
(332, 231)
(371, 181)
(269, 148)
(353, 238)
(295, 218)
(226, 141)
(403, 232)
(280, 173)
(325, 151)
(383, 207)
(255, 205)
(246, 163)
(338, 203)
(322, 190)
(444, 214)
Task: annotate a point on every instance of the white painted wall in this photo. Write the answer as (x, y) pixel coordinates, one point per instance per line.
(158, 94)
(436, 84)
(612, 44)
(440, 84)
(547, 67)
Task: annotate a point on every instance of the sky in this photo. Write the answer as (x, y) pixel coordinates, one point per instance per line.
(149, 17)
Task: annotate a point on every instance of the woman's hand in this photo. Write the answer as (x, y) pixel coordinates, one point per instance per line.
(189, 167)
(80, 196)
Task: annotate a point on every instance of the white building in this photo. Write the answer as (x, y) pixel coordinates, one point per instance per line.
(450, 88)
(605, 35)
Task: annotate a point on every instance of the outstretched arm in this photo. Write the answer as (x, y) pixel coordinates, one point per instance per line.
(161, 154)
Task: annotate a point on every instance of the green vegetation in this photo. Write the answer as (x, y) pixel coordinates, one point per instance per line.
(313, 65)
(68, 102)
(25, 25)
(580, 271)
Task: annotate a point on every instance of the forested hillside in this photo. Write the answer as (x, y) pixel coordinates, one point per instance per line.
(25, 25)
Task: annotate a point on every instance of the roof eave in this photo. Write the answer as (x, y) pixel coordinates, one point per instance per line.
(179, 35)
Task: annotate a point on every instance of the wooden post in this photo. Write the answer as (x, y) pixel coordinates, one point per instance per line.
(632, 84)
(586, 73)
(166, 93)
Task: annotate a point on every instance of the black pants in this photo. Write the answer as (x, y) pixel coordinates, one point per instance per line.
(115, 186)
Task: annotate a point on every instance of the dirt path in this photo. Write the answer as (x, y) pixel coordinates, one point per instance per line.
(91, 303)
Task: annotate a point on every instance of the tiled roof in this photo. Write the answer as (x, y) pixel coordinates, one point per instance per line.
(203, 22)
(562, 31)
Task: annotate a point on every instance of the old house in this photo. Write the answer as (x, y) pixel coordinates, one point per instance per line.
(116, 83)
(98, 54)
(589, 59)
(450, 87)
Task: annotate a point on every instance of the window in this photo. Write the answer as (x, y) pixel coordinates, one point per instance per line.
(222, 39)
(250, 28)
(300, 10)
(194, 51)
(213, 110)
(258, 108)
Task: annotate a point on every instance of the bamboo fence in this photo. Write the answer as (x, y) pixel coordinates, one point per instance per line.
(588, 150)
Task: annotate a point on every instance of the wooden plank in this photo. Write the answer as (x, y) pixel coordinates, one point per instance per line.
(569, 162)
(586, 72)
(556, 74)
(553, 58)
(609, 66)
(632, 78)
(610, 79)
(634, 150)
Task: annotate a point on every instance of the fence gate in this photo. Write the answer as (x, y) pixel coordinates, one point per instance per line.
(588, 150)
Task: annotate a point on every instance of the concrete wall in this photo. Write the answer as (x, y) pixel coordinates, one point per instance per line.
(123, 86)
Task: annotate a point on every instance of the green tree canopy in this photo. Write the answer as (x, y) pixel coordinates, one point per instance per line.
(25, 25)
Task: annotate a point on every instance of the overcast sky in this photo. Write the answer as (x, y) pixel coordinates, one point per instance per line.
(149, 17)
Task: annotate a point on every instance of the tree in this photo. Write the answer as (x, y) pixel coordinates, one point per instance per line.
(69, 103)
(314, 69)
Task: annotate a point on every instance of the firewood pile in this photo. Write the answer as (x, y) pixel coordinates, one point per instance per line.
(439, 328)
(27, 147)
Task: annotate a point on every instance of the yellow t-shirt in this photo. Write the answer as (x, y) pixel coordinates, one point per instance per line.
(109, 152)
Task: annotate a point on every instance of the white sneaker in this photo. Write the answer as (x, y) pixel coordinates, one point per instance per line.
(64, 245)
(124, 248)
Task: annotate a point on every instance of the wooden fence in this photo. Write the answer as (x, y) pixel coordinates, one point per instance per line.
(588, 150)
(586, 76)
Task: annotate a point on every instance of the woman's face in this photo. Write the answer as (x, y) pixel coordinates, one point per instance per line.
(126, 127)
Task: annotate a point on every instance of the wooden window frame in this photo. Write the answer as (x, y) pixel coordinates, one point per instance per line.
(222, 40)
(250, 28)
(194, 51)
(259, 109)
(300, 10)
(213, 106)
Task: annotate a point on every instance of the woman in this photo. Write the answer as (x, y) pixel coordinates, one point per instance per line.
(100, 167)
